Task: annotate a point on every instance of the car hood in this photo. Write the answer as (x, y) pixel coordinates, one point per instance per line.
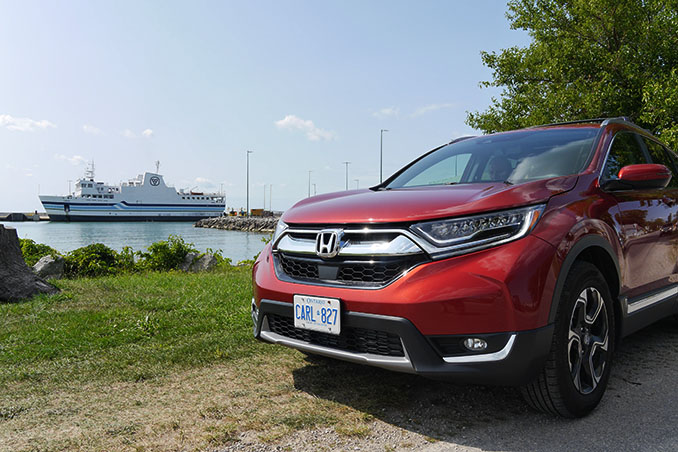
(422, 203)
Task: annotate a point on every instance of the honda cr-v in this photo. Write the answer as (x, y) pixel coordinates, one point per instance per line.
(517, 258)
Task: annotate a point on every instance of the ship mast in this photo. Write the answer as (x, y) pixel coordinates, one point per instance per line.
(89, 172)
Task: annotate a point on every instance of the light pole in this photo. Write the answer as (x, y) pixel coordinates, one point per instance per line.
(270, 197)
(247, 212)
(309, 183)
(381, 155)
(346, 163)
(315, 190)
(357, 183)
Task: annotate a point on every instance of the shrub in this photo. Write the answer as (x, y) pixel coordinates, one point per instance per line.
(126, 259)
(166, 254)
(219, 256)
(33, 252)
(92, 260)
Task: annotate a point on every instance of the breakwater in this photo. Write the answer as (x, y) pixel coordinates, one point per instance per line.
(251, 224)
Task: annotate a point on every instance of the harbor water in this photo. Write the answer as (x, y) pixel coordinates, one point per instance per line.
(64, 237)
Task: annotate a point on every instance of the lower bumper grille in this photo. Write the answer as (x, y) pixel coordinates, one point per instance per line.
(358, 340)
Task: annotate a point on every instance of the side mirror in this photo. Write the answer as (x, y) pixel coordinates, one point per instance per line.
(638, 177)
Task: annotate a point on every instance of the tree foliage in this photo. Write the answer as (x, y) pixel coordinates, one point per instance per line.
(587, 59)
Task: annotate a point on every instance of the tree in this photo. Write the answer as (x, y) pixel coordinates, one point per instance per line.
(587, 59)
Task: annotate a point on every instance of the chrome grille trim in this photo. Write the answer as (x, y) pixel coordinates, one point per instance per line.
(398, 246)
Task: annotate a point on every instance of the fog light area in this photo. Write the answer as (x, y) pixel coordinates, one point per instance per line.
(475, 344)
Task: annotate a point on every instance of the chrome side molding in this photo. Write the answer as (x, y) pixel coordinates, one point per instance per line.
(650, 300)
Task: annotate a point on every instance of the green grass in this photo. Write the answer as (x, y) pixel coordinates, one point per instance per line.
(130, 327)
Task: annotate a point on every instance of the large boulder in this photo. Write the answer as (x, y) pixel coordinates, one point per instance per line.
(188, 261)
(204, 263)
(50, 267)
(17, 280)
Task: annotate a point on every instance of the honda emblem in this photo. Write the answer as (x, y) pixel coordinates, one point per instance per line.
(327, 243)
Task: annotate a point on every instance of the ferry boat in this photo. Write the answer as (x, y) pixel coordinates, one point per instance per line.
(145, 198)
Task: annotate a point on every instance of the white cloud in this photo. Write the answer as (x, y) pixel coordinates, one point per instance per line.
(87, 128)
(127, 133)
(204, 182)
(313, 133)
(73, 160)
(24, 124)
(386, 112)
(148, 133)
(432, 107)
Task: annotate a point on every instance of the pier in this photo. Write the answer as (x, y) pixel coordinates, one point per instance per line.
(23, 216)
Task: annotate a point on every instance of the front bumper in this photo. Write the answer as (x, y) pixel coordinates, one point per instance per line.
(515, 358)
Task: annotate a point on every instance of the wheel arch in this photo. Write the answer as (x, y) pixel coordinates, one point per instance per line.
(597, 251)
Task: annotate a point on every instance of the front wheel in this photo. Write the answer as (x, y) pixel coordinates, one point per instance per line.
(575, 375)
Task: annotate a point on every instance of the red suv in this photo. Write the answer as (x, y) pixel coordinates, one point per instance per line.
(517, 258)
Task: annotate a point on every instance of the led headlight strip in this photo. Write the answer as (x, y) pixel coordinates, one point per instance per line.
(472, 233)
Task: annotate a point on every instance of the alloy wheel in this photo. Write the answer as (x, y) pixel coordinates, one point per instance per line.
(588, 340)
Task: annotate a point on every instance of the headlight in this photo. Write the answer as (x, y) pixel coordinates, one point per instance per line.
(472, 233)
(279, 229)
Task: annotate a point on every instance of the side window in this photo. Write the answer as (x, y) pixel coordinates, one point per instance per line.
(625, 150)
(659, 155)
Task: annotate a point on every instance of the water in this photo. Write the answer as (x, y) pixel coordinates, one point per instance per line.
(63, 237)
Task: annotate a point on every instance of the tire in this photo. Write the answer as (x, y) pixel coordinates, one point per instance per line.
(576, 373)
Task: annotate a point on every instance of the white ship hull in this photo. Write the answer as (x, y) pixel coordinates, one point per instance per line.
(146, 198)
(60, 208)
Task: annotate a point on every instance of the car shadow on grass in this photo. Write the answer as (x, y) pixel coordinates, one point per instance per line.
(639, 410)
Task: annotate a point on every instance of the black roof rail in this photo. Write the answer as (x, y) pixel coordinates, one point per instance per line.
(618, 120)
(579, 121)
(465, 137)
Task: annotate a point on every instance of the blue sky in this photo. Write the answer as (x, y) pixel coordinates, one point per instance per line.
(306, 85)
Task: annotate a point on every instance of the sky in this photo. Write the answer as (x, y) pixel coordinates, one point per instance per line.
(304, 85)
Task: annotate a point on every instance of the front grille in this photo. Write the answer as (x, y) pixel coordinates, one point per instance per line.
(375, 272)
(360, 340)
(299, 269)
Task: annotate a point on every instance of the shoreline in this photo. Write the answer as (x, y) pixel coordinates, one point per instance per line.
(246, 224)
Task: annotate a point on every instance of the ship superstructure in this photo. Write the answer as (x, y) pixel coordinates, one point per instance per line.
(144, 198)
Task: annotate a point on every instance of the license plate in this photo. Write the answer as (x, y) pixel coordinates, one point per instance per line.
(317, 314)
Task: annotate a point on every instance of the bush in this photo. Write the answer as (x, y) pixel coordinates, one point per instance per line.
(92, 260)
(33, 252)
(166, 254)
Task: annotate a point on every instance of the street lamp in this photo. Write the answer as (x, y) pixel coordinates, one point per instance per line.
(346, 163)
(357, 183)
(247, 212)
(315, 190)
(381, 155)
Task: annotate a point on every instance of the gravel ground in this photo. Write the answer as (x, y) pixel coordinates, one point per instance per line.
(639, 412)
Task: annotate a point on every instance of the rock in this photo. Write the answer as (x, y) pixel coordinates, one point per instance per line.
(188, 262)
(17, 280)
(204, 263)
(50, 267)
(251, 224)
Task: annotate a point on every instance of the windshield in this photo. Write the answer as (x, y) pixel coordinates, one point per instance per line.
(507, 157)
